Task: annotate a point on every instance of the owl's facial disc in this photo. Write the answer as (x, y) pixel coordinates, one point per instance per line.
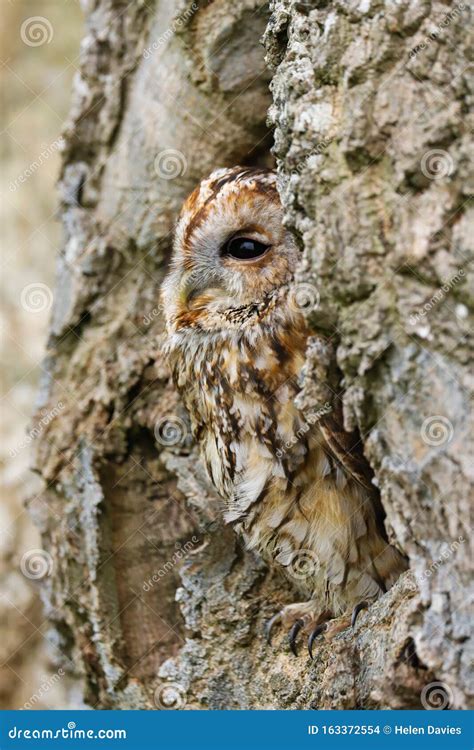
(231, 249)
(231, 265)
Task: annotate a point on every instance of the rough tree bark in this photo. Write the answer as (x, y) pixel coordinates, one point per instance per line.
(158, 604)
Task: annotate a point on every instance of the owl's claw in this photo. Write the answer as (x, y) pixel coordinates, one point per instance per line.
(293, 633)
(357, 609)
(296, 617)
(269, 627)
(329, 627)
(317, 631)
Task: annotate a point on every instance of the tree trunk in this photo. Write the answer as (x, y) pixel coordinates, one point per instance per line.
(156, 601)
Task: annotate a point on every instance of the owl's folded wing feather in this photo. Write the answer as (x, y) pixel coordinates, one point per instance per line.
(347, 449)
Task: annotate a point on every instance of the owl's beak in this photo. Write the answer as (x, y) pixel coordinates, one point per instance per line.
(193, 284)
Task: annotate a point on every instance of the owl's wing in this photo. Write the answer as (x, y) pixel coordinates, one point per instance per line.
(346, 448)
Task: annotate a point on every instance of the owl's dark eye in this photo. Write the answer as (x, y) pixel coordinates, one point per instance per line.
(243, 248)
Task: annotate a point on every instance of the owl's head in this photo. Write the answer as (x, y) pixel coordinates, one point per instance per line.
(231, 249)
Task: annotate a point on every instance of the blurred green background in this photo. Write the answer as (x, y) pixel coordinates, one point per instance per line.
(39, 59)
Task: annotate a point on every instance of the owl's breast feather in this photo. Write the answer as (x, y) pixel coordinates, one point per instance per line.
(279, 482)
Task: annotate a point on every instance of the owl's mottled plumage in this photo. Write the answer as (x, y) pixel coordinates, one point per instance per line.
(236, 345)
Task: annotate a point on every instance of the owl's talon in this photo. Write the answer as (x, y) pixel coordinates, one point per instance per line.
(357, 609)
(293, 633)
(317, 631)
(269, 627)
(294, 618)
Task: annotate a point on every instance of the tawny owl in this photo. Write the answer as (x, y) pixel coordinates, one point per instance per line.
(236, 345)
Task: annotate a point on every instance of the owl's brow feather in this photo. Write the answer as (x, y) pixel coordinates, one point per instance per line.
(256, 186)
(238, 174)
